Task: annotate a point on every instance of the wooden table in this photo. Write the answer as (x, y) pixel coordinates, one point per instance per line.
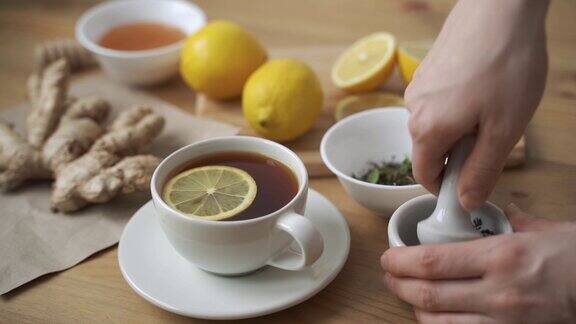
(95, 290)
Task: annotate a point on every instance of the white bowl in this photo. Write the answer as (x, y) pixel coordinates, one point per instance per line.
(374, 135)
(138, 67)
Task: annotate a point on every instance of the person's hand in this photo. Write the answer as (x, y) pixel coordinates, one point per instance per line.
(485, 74)
(525, 277)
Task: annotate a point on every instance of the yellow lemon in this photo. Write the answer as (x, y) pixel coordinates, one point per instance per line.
(282, 99)
(211, 192)
(410, 54)
(218, 59)
(367, 64)
(357, 103)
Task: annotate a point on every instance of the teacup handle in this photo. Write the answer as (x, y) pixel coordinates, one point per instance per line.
(306, 236)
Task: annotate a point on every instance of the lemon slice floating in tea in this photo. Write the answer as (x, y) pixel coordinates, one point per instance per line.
(211, 192)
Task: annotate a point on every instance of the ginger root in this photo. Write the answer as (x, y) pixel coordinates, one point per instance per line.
(64, 194)
(76, 55)
(89, 179)
(19, 161)
(47, 92)
(97, 178)
(133, 130)
(79, 128)
(67, 142)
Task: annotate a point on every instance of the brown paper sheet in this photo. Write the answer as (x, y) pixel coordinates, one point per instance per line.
(34, 241)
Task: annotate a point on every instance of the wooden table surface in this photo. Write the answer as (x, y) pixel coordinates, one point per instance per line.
(94, 291)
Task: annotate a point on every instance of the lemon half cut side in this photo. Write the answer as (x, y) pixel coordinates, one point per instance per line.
(366, 64)
(360, 102)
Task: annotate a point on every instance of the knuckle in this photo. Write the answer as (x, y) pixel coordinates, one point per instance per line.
(509, 255)
(481, 170)
(427, 297)
(499, 137)
(419, 124)
(428, 261)
(411, 95)
(516, 301)
(495, 136)
(497, 133)
(509, 299)
(424, 125)
(414, 126)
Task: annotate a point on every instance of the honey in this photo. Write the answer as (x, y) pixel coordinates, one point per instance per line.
(140, 36)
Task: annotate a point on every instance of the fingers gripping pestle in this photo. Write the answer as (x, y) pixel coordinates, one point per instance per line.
(450, 222)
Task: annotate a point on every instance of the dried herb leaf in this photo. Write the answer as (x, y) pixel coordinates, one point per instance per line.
(373, 176)
(389, 173)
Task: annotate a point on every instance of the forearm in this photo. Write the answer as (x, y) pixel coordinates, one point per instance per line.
(533, 9)
(518, 17)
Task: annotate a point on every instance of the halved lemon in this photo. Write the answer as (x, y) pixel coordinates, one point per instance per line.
(356, 103)
(366, 64)
(211, 192)
(410, 54)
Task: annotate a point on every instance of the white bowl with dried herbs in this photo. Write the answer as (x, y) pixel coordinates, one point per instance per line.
(370, 154)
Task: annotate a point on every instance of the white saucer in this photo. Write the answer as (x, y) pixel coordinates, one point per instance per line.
(159, 274)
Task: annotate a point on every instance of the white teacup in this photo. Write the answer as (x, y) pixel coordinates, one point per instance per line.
(239, 247)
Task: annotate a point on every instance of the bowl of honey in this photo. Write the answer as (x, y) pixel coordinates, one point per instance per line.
(138, 42)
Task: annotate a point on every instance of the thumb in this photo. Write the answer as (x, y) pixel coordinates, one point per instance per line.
(522, 222)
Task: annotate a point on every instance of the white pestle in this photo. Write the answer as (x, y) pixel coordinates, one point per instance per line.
(450, 222)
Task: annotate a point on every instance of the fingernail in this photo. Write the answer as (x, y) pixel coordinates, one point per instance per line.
(472, 199)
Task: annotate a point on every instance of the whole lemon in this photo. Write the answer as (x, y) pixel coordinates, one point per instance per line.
(218, 59)
(282, 99)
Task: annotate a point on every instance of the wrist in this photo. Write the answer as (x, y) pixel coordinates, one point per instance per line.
(532, 12)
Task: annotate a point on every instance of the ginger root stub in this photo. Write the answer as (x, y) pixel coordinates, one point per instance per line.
(70, 50)
(66, 141)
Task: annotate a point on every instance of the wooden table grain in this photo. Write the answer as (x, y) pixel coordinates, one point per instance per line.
(94, 291)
